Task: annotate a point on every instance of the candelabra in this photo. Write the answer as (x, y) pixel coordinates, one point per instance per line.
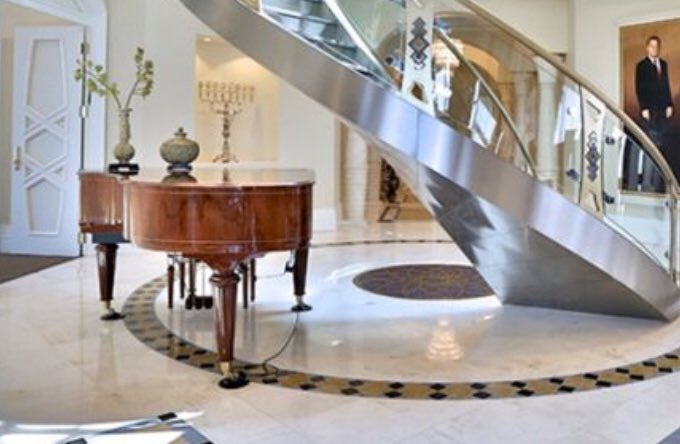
(226, 100)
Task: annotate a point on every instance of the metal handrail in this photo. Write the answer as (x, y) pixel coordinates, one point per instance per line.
(672, 187)
(635, 130)
(494, 98)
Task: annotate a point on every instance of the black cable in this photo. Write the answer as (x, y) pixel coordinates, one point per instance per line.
(265, 364)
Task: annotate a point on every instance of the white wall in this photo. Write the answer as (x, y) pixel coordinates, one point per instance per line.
(11, 16)
(599, 21)
(308, 140)
(255, 132)
(544, 21)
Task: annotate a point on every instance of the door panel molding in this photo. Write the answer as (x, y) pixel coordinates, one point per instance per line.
(47, 134)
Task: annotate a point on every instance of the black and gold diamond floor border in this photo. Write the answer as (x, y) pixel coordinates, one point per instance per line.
(142, 321)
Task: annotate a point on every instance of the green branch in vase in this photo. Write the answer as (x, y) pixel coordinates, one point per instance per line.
(98, 81)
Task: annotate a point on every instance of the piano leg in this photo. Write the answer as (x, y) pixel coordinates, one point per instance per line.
(300, 279)
(226, 284)
(106, 264)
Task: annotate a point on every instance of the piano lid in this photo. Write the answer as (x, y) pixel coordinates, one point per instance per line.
(228, 176)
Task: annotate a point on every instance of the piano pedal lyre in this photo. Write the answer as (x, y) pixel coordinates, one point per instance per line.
(187, 293)
(247, 271)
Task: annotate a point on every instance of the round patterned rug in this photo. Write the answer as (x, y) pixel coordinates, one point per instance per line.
(425, 282)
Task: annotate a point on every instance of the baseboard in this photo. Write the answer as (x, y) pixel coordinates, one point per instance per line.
(325, 219)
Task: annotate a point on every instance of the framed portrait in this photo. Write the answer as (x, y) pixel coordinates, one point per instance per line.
(650, 92)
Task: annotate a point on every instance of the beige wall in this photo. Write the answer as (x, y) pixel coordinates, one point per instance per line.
(255, 132)
(544, 21)
(11, 16)
(308, 140)
(599, 21)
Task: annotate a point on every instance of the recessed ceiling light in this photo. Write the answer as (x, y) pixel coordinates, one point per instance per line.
(207, 39)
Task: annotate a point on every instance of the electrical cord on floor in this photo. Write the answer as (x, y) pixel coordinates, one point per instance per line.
(265, 364)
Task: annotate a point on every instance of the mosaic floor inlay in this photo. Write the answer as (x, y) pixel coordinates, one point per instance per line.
(424, 282)
(143, 322)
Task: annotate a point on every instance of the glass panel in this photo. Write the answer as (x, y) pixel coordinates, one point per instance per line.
(377, 22)
(325, 25)
(644, 216)
(561, 158)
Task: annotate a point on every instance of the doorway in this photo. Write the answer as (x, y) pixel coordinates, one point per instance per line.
(41, 137)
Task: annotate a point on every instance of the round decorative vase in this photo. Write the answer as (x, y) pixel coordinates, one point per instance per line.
(179, 152)
(124, 151)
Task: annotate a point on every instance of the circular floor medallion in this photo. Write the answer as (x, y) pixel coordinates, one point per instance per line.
(424, 282)
(143, 322)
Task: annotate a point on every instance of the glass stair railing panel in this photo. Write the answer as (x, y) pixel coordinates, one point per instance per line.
(316, 22)
(380, 24)
(645, 216)
(466, 101)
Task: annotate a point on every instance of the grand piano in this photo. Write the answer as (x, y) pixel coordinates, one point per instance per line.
(222, 217)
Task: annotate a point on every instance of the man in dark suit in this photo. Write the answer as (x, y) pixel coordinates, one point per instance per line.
(653, 90)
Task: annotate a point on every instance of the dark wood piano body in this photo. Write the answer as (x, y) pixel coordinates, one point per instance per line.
(220, 217)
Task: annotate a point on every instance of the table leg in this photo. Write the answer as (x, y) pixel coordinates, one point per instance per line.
(106, 264)
(300, 279)
(226, 284)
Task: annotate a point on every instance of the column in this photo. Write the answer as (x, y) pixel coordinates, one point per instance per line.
(354, 176)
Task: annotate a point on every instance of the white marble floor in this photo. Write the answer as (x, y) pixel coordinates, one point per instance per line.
(61, 368)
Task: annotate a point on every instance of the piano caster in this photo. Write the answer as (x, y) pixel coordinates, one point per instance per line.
(109, 314)
(232, 380)
(300, 306)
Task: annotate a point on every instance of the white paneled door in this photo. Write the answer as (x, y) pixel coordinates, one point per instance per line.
(46, 139)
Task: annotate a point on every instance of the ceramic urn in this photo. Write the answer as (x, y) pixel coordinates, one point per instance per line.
(179, 152)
